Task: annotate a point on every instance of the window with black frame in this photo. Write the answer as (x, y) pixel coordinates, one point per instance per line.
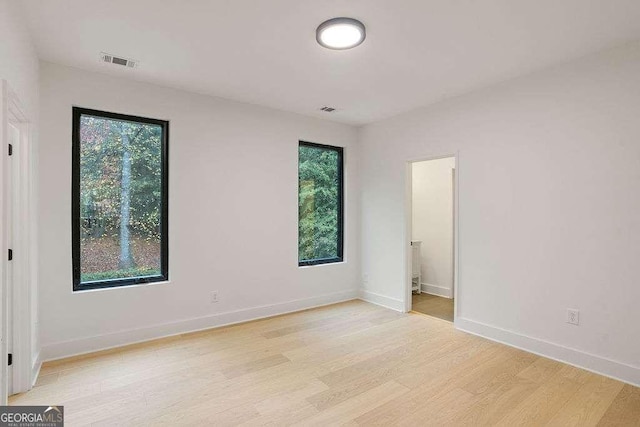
(119, 199)
(320, 204)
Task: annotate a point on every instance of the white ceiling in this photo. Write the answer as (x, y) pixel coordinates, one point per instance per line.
(264, 51)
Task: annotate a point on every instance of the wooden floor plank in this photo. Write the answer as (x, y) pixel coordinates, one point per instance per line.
(350, 409)
(589, 404)
(624, 410)
(540, 407)
(433, 305)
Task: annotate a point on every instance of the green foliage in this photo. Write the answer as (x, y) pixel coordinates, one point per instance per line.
(119, 274)
(101, 154)
(318, 183)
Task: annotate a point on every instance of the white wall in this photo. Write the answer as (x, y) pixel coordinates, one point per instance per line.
(232, 215)
(549, 178)
(432, 222)
(19, 67)
(18, 59)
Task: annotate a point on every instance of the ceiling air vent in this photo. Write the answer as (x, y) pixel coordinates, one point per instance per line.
(328, 109)
(111, 59)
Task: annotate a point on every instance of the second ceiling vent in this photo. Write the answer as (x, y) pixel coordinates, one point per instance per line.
(118, 60)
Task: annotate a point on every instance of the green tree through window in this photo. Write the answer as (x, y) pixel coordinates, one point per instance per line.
(320, 177)
(121, 199)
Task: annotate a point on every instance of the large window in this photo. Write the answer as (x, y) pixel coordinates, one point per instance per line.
(120, 200)
(320, 188)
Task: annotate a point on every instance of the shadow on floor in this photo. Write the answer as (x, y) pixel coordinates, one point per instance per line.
(432, 305)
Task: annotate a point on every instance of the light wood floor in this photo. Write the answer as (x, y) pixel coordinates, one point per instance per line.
(347, 364)
(433, 305)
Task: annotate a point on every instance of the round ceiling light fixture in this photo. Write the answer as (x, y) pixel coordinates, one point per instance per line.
(340, 33)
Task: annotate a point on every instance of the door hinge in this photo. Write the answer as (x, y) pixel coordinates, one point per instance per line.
(10, 254)
(10, 359)
(11, 149)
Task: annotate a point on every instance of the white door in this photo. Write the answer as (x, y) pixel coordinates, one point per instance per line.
(16, 319)
(8, 203)
(14, 140)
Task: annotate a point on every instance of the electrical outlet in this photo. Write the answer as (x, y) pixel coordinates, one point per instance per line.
(365, 279)
(214, 297)
(573, 316)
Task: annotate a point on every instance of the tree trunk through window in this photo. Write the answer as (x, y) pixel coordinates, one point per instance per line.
(126, 258)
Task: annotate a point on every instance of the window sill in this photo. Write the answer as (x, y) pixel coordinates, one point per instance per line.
(326, 264)
(113, 288)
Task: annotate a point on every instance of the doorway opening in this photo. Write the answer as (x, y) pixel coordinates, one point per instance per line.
(432, 237)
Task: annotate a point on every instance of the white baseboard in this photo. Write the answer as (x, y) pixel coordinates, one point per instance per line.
(600, 365)
(382, 300)
(79, 346)
(440, 291)
(620, 371)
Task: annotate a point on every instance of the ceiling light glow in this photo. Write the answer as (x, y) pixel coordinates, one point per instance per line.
(340, 33)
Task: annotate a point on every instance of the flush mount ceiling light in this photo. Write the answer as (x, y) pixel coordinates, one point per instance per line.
(340, 33)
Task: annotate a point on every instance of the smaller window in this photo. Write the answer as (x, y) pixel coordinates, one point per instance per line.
(320, 204)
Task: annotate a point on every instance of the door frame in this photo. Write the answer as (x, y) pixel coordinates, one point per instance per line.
(23, 320)
(408, 206)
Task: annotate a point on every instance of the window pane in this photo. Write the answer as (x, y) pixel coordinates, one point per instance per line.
(319, 204)
(120, 198)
